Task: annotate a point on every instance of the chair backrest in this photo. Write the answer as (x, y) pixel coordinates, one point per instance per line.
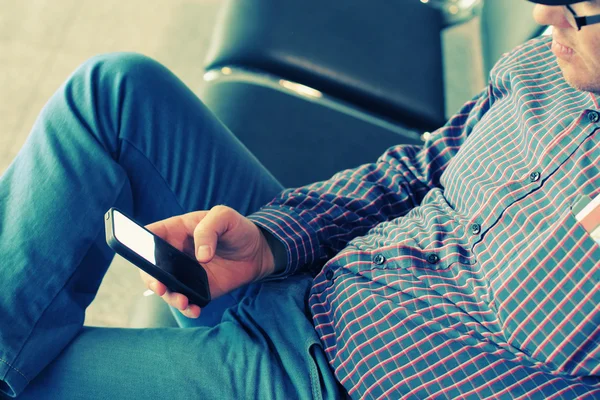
(377, 67)
(381, 56)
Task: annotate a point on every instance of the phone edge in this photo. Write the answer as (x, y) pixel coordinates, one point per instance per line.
(147, 267)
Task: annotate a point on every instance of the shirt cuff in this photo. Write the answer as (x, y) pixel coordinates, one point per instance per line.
(296, 235)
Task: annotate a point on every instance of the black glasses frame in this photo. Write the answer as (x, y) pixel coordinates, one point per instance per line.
(579, 22)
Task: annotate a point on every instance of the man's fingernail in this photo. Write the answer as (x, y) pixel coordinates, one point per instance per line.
(153, 286)
(203, 252)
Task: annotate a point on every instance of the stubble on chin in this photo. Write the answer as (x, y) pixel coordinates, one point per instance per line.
(579, 81)
(592, 87)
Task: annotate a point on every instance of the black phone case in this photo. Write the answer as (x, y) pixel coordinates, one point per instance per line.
(174, 285)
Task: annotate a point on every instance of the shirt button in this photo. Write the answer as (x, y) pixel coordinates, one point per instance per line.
(329, 274)
(433, 258)
(475, 229)
(379, 259)
(534, 177)
(593, 117)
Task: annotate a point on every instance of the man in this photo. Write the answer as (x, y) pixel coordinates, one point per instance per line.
(455, 270)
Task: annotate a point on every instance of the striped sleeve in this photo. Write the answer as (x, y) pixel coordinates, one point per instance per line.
(315, 222)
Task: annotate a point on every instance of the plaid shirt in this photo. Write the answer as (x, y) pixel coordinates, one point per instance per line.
(457, 269)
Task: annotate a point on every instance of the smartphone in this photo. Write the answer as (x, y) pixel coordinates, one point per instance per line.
(178, 271)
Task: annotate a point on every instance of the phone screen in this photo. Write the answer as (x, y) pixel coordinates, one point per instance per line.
(158, 252)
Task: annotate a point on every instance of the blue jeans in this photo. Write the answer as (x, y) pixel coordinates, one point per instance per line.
(123, 131)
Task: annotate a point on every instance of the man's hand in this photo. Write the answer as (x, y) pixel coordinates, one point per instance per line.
(230, 247)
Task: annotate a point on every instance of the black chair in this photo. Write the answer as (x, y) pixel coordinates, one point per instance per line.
(313, 87)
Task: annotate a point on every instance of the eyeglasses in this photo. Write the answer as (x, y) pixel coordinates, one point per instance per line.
(578, 22)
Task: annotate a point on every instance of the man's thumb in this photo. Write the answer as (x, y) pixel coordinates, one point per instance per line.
(207, 232)
(203, 253)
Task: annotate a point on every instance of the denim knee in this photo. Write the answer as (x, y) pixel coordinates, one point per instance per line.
(101, 93)
(121, 65)
(100, 79)
(115, 75)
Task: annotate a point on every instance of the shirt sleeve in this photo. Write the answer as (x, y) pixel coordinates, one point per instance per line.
(315, 222)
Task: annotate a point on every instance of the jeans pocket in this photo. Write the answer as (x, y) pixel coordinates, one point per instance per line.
(324, 384)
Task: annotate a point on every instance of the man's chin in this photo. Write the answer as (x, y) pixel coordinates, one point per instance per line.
(584, 86)
(577, 81)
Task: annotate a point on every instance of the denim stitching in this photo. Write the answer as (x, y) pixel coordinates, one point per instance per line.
(313, 372)
(20, 373)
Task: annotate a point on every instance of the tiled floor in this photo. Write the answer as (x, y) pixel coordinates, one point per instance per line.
(43, 41)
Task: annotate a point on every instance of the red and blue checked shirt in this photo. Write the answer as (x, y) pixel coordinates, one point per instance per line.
(457, 269)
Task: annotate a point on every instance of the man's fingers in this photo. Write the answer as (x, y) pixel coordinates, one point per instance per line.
(161, 228)
(193, 311)
(181, 302)
(207, 232)
(179, 232)
(177, 300)
(152, 284)
(175, 229)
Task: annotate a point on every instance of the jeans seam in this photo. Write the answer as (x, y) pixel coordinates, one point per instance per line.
(314, 373)
(15, 369)
(157, 171)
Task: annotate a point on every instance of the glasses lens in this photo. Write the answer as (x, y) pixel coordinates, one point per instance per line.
(570, 16)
